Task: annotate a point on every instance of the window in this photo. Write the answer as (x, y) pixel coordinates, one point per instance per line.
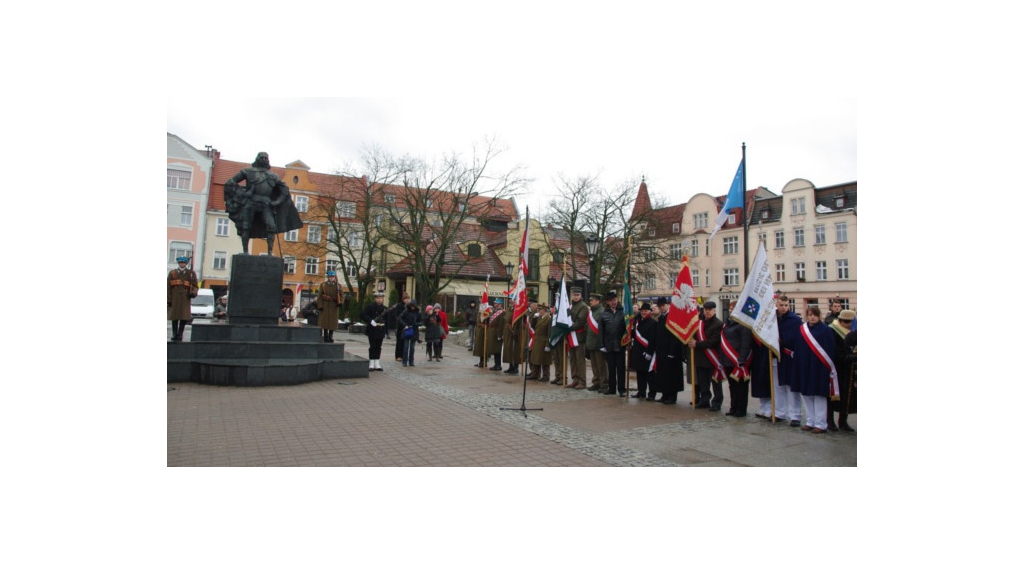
(801, 275)
(292, 235)
(289, 265)
(353, 270)
(764, 214)
(707, 247)
(731, 220)
(332, 264)
(694, 248)
(430, 202)
(696, 277)
(841, 232)
(821, 270)
(533, 265)
(556, 256)
(650, 254)
(732, 277)
(840, 202)
(179, 249)
(389, 198)
(763, 239)
(780, 239)
(675, 227)
(312, 265)
(731, 245)
(799, 206)
(675, 251)
(780, 273)
(186, 216)
(313, 234)
(819, 234)
(700, 220)
(346, 209)
(843, 266)
(179, 179)
(474, 251)
(355, 239)
(671, 281)
(220, 260)
(222, 227)
(798, 237)
(302, 203)
(378, 220)
(650, 232)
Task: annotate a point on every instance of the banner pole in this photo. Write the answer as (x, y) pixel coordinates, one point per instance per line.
(771, 381)
(693, 378)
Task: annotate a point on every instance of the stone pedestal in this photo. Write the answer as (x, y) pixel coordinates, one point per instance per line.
(255, 289)
(253, 348)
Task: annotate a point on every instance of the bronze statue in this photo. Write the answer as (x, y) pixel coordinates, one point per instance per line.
(261, 208)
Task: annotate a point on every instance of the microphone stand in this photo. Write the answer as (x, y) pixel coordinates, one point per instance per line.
(522, 369)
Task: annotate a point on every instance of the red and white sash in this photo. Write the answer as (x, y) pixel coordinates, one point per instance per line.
(742, 371)
(529, 345)
(654, 363)
(719, 373)
(574, 340)
(592, 322)
(833, 378)
(640, 338)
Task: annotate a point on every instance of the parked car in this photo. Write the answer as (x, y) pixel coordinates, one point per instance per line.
(202, 304)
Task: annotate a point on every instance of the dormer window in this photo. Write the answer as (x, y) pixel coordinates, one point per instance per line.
(474, 251)
(650, 232)
(840, 201)
(675, 227)
(764, 214)
(389, 198)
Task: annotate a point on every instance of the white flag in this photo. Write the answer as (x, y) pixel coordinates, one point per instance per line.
(562, 321)
(755, 308)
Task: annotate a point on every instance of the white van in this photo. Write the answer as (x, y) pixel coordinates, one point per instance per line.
(202, 304)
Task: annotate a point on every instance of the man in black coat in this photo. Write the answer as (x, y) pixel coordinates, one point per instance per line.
(737, 346)
(373, 316)
(644, 332)
(470, 315)
(668, 358)
(707, 344)
(610, 329)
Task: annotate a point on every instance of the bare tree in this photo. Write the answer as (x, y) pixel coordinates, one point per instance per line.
(422, 209)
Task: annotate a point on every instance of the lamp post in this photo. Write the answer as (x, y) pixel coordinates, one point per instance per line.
(552, 284)
(508, 272)
(592, 254)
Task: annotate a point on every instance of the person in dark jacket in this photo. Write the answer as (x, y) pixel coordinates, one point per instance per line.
(814, 358)
(399, 309)
(411, 318)
(668, 358)
(707, 344)
(737, 351)
(787, 399)
(610, 329)
(844, 366)
(373, 316)
(432, 333)
(644, 331)
(470, 316)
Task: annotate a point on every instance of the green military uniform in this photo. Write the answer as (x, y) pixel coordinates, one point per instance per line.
(577, 356)
(479, 341)
(540, 359)
(495, 329)
(598, 366)
(182, 286)
(328, 300)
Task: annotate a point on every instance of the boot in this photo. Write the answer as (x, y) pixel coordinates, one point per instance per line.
(831, 420)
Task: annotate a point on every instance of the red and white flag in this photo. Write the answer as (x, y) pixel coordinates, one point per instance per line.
(683, 313)
(518, 294)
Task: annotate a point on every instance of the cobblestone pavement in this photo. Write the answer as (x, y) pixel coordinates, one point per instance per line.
(450, 413)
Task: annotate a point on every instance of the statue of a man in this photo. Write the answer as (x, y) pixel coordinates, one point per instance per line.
(262, 207)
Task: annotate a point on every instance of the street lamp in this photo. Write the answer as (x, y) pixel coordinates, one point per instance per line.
(592, 254)
(508, 272)
(552, 284)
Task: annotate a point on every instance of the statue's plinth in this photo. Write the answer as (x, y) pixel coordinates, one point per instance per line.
(253, 348)
(255, 289)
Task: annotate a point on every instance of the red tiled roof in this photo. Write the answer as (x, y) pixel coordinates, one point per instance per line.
(642, 206)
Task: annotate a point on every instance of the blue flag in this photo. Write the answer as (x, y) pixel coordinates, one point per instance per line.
(733, 200)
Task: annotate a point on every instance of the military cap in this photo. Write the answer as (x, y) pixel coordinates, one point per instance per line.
(596, 297)
(182, 259)
(710, 305)
(576, 290)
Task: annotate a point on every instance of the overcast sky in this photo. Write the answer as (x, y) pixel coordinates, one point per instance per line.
(682, 145)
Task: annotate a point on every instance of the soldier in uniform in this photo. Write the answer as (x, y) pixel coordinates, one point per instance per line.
(263, 207)
(510, 340)
(707, 344)
(373, 316)
(540, 354)
(328, 300)
(182, 286)
(577, 355)
(479, 341)
(598, 366)
(495, 331)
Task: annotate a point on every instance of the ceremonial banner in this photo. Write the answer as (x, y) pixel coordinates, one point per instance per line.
(755, 308)
(561, 320)
(519, 294)
(683, 313)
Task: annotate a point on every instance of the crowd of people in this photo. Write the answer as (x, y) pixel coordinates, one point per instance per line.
(814, 377)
